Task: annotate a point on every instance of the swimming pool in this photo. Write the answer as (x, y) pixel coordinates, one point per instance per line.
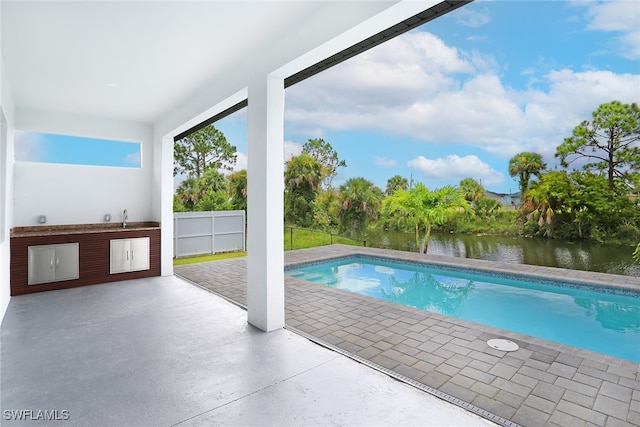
(599, 319)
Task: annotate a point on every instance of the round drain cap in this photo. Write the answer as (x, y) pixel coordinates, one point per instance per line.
(503, 345)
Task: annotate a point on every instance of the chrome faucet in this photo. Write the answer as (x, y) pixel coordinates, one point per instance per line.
(125, 218)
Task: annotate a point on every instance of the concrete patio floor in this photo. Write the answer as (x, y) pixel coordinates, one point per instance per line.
(162, 352)
(543, 383)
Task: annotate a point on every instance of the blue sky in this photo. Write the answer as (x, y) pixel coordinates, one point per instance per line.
(74, 150)
(460, 95)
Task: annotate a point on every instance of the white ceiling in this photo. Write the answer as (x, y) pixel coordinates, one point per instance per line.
(137, 60)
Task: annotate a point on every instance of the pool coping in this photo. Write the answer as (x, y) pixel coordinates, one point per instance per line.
(543, 383)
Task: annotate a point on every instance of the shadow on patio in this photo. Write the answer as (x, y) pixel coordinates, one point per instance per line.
(162, 352)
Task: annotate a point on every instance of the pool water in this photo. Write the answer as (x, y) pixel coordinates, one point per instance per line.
(604, 322)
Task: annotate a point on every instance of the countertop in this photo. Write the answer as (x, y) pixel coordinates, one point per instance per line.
(51, 230)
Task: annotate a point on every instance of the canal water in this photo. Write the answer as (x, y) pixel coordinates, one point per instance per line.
(579, 255)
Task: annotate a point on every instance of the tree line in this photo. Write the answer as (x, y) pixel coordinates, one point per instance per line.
(598, 199)
(200, 157)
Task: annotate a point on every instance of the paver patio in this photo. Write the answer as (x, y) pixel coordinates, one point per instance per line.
(542, 383)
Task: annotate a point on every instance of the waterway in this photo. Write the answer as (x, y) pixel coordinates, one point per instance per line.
(579, 255)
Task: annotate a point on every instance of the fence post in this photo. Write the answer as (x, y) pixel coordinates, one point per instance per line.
(213, 232)
(244, 230)
(291, 238)
(331, 238)
(175, 236)
(364, 243)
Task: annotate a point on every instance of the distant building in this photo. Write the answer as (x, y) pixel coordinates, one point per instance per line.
(507, 200)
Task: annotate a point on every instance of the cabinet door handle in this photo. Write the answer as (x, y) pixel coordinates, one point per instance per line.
(57, 262)
(51, 264)
(127, 255)
(132, 254)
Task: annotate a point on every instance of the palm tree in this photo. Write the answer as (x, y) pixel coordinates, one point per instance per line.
(323, 152)
(192, 190)
(303, 171)
(471, 189)
(238, 189)
(556, 194)
(359, 203)
(302, 179)
(326, 209)
(212, 180)
(394, 183)
(485, 206)
(540, 205)
(523, 165)
(420, 209)
(189, 193)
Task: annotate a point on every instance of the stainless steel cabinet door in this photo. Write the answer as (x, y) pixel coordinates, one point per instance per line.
(129, 255)
(41, 264)
(53, 263)
(139, 254)
(120, 258)
(66, 261)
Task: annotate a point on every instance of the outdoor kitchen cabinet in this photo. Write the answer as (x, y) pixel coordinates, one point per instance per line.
(129, 255)
(92, 256)
(53, 263)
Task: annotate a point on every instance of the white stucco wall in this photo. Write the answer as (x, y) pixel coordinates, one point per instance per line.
(162, 199)
(5, 206)
(6, 183)
(76, 194)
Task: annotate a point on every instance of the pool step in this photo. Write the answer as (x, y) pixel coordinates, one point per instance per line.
(315, 277)
(297, 274)
(305, 275)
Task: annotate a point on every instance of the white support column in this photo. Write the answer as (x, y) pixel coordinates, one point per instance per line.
(265, 211)
(162, 199)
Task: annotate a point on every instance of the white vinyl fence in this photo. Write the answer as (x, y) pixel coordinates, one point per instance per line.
(196, 233)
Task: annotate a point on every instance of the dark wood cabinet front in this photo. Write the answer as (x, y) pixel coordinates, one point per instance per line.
(94, 258)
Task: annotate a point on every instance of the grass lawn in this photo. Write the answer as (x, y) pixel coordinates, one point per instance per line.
(303, 238)
(208, 257)
(298, 239)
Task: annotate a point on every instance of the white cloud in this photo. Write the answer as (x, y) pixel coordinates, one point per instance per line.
(241, 162)
(291, 149)
(617, 16)
(384, 161)
(613, 15)
(456, 168)
(472, 18)
(405, 86)
(28, 146)
(133, 158)
(417, 86)
(630, 45)
(389, 76)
